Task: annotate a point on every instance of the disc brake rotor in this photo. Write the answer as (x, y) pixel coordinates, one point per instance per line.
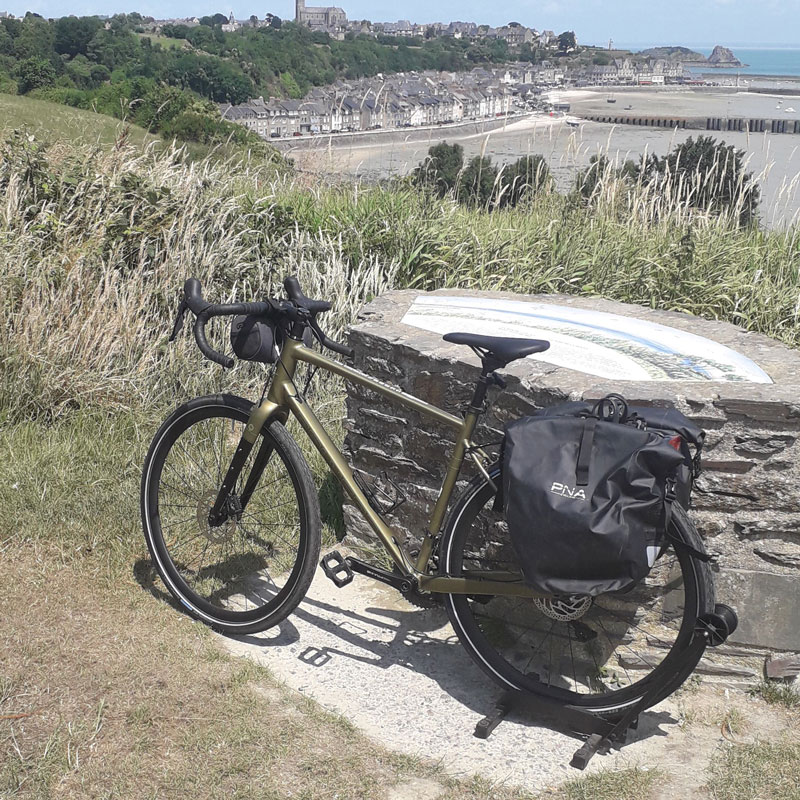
(220, 533)
(564, 608)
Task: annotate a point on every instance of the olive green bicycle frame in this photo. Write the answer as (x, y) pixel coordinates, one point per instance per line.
(283, 399)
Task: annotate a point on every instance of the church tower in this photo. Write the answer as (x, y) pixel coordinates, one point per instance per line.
(299, 11)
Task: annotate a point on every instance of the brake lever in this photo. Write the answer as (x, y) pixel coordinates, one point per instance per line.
(178, 326)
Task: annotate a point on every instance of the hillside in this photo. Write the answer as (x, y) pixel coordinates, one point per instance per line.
(54, 121)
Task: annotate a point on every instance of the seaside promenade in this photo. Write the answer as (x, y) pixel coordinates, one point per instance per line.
(774, 158)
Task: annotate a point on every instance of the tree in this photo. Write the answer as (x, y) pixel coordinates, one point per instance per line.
(524, 178)
(567, 41)
(476, 185)
(439, 171)
(710, 175)
(73, 34)
(216, 19)
(34, 73)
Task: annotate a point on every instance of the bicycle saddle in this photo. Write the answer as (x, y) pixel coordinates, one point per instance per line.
(500, 349)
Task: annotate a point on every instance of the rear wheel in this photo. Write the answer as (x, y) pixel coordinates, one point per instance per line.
(250, 572)
(597, 653)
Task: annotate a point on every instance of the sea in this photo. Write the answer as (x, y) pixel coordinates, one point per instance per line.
(781, 60)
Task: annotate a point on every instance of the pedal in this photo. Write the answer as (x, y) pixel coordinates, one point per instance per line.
(335, 566)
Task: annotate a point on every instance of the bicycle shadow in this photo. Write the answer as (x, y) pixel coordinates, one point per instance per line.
(145, 575)
(408, 645)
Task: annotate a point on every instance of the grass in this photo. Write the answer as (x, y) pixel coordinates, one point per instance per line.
(759, 771)
(107, 690)
(167, 42)
(116, 693)
(633, 783)
(777, 693)
(96, 244)
(54, 121)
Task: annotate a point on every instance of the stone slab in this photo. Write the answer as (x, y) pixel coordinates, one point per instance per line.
(772, 604)
(399, 674)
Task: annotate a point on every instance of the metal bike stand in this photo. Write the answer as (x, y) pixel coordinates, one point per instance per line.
(600, 733)
(711, 630)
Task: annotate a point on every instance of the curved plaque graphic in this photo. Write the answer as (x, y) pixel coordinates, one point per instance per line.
(594, 342)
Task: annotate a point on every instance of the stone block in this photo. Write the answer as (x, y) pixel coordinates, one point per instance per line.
(768, 607)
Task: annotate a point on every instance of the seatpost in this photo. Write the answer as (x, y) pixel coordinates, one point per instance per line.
(487, 377)
(479, 396)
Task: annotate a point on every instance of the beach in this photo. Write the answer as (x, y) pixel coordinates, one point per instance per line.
(773, 158)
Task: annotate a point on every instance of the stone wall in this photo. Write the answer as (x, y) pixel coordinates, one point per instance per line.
(752, 448)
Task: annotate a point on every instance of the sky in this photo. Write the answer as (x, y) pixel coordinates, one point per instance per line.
(628, 22)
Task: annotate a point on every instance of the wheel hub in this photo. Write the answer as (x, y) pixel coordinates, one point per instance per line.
(214, 533)
(565, 607)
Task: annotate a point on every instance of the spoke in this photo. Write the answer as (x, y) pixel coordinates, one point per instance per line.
(191, 493)
(624, 669)
(572, 658)
(632, 624)
(534, 651)
(202, 556)
(193, 460)
(280, 478)
(174, 548)
(218, 452)
(172, 523)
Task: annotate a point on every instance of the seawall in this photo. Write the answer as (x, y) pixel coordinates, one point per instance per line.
(389, 135)
(749, 125)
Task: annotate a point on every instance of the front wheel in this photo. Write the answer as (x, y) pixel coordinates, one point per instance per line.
(601, 654)
(249, 572)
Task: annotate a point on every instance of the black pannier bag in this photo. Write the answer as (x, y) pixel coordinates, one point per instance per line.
(586, 490)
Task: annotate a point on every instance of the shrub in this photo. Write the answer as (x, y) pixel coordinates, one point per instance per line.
(439, 172)
(476, 185)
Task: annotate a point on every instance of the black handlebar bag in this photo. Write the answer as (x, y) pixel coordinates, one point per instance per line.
(586, 497)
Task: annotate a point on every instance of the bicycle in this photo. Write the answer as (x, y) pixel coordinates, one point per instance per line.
(232, 520)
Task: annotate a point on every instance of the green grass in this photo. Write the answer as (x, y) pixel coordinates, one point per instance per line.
(166, 42)
(776, 693)
(625, 784)
(760, 771)
(54, 121)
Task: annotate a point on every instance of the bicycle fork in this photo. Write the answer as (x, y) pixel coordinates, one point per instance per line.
(223, 508)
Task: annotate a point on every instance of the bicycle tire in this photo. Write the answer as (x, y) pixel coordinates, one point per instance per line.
(486, 627)
(250, 573)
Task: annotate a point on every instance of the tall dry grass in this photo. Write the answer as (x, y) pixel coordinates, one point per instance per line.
(95, 245)
(94, 248)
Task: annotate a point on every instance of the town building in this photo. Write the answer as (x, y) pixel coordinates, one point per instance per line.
(319, 18)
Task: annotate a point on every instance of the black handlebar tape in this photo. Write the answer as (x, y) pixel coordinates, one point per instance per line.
(231, 309)
(193, 295)
(205, 348)
(292, 287)
(342, 349)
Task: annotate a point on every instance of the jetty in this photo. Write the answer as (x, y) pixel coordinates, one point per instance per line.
(743, 124)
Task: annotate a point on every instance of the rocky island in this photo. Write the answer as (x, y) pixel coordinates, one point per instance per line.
(723, 57)
(720, 56)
